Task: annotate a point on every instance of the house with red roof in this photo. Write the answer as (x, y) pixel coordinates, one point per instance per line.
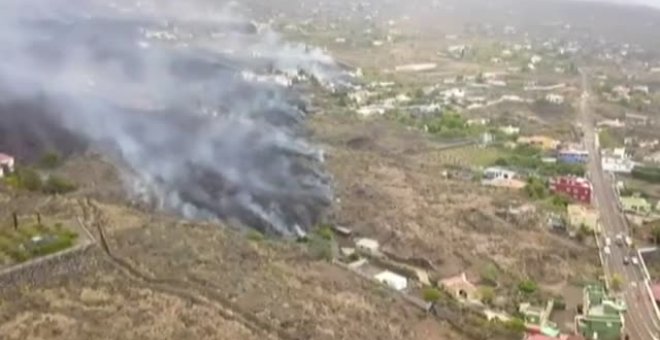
(6, 164)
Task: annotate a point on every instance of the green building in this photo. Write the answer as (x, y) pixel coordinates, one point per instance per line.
(637, 205)
(537, 319)
(602, 317)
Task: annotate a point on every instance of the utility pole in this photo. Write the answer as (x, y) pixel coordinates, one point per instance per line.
(15, 219)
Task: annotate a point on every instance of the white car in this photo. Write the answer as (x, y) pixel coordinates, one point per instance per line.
(635, 261)
(629, 241)
(606, 250)
(608, 242)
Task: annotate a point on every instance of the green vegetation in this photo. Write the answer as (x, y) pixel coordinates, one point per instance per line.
(30, 180)
(489, 275)
(647, 173)
(536, 188)
(560, 304)
(616, 281)
(471, 155)
(609, 140)
(449, 125)
(431, 294)
(516, 324)
(28, 242)
(527, 286)
(255, 236)
(50, 160)
(655, 233)
(487, 295)
(57, 185)
(531, 159)
(583, 232)
(325, 232)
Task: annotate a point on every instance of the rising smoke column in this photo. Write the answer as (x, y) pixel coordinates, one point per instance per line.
(182, 96)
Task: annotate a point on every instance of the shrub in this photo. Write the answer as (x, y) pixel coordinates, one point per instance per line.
(325, 231)
(28, 179)
(432, 294)
(516, 325)
(489, 274)
(560, 304)
(57, 185)
(487, 295)
(527, 286)
(254, 235)
(50, 160)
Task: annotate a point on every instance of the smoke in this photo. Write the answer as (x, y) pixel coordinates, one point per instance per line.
(195, 102)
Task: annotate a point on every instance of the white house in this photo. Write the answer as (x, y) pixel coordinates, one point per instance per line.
(617, 161)
(393, 280)
(498, 173)
(6, 164)
(367, 245)
(455, 93)
(618, 165)
(510, 130)
(554, 98)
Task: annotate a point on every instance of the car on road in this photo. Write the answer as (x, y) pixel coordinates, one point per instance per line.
(626, 260)
(629, 241)
(606, 250)
(635, 261)
(608, 242)
(619, 239)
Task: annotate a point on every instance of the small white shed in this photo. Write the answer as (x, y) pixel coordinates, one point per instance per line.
(393, 280)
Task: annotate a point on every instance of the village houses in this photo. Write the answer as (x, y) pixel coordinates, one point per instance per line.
(7, 164)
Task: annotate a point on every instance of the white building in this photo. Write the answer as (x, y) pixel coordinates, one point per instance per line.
(494, 173)
(554, 98)
(6, 164)
(617, 161)
(454, 93)
(367, 245)
(510, 130)
(393, 280)
(617, 165)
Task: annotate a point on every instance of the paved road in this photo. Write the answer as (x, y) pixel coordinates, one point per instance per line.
(641, 322)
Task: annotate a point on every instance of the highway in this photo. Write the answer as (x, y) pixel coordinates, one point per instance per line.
(641, 321)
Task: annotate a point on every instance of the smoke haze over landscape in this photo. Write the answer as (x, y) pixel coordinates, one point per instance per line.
(181, 96)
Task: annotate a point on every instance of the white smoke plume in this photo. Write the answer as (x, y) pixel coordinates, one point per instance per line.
(192, 99)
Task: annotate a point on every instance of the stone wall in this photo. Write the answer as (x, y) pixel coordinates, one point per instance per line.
(41, 270)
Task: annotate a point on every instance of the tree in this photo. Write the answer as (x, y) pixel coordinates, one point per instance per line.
(527, 286)
(616, 281)
(432, 294)
(487, 295)
(57, 185)
(50, 160)
(489, 274)
(29, 179)
(516, 325)
(655, 233)
(536, 188)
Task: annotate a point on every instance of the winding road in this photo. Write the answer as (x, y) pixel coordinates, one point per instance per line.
(641, 320)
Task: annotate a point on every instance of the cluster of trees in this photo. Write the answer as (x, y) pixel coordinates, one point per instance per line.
(647, 173)
(27, 178)
(531, 159)
(31, 180)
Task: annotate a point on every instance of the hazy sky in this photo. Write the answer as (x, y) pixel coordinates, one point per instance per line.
(655, 3)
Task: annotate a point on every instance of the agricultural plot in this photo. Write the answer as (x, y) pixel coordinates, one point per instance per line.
(31, 241)
(469, 156)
